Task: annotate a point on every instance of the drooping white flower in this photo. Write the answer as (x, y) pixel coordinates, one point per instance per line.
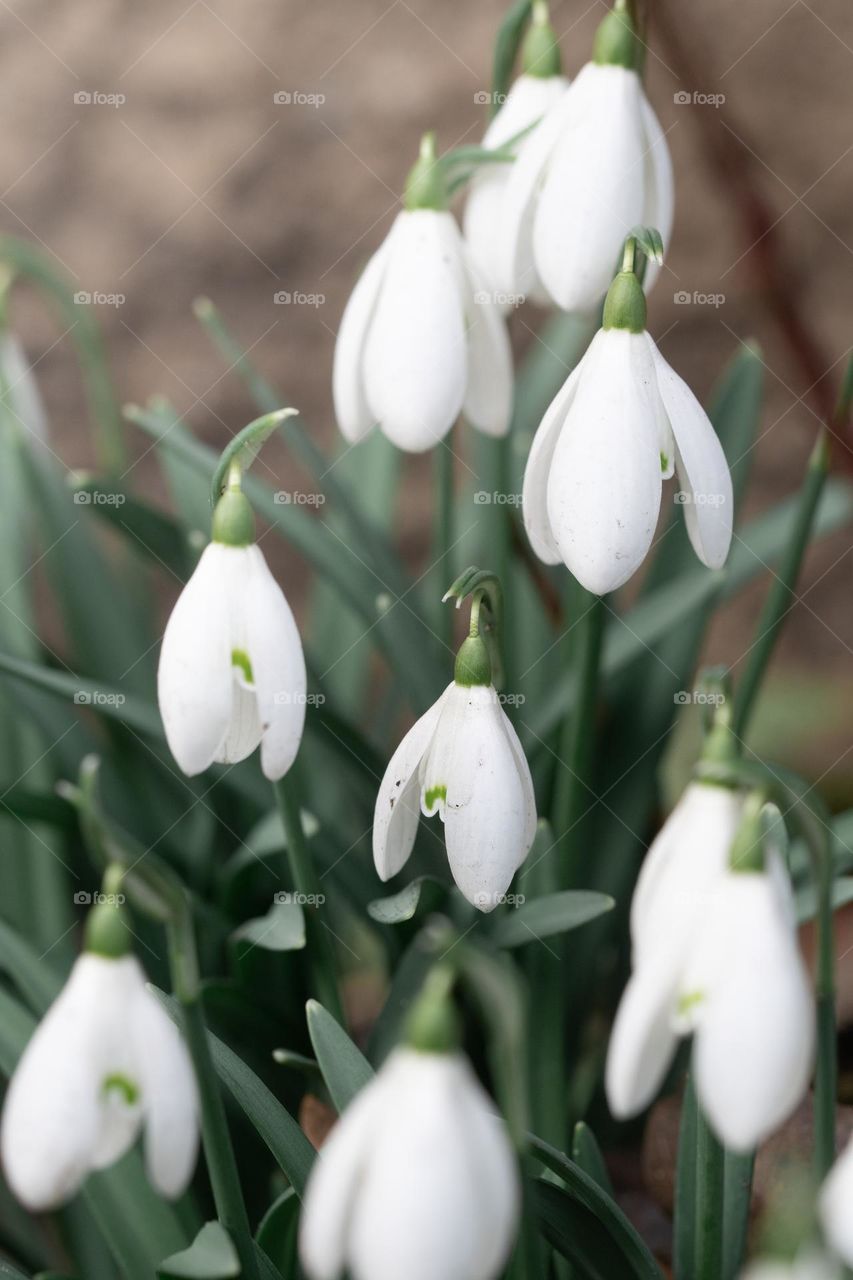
(417, 1179)
(714, 953)
(623, 422)
(809, 1264)
(105, 1063)
(421, 339)
(462, 760)
(836, 1197)
(597, 166)
(532, 95)
(232, 672)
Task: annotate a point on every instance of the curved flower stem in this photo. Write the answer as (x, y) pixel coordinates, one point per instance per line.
(443, 538)
(780, 596)
(578, 733)
(301, 870)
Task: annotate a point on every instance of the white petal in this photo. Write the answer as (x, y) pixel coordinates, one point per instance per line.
(658, 182)
(524, 185)
(415, 365)
(701, 465)
(754, 1046)
(526, 779)
(351, 408)
(642, 1041)
(335, 1181)
(170, 1097)
(538, 469)
(423, 1209)
(244, 726)
(593, 191)
(604, 485)
(278, 666)
(486, 805)
(395, 817)
(836, 1197)
(194, 680)
(54, 1110)
(488, 397)
(686, 858)
(528, 101)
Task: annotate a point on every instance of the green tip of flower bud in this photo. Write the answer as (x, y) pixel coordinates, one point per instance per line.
(107, 930)
(540, 53)
(233, 519)
(616, 42)
(425, 186)
(433, 1024)
(625, 305)
(747, 851)
(473, 664)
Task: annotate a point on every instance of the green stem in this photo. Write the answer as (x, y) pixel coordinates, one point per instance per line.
(710, 1191)
(218, 1151)
(442, 553)
(684, 1224)
(300, 867)
(572, 790)
(781, 593)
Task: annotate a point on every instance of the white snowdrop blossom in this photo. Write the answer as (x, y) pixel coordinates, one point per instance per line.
(623, 422)
(714, 953)
(597, 166)
(105, 1063)
(836, 1197)
(462, 760)
(417, 1179)
(421, 340)
(232, 672)
(533, 94)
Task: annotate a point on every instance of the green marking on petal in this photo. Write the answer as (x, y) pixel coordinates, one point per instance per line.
(689, 1001)
(239, 658)
(118, 1083)
(664, 462)
(434, 794)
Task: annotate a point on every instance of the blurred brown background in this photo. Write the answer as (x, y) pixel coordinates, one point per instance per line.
(192, 179)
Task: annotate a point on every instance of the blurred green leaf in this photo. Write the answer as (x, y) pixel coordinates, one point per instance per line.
(281, 929)
(539, 918)
(345, 1068)
(425, 891)
(211, 1256)
(586, 1154)
(278, 1230)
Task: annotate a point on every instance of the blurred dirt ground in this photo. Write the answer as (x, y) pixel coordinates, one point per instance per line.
(195, 180)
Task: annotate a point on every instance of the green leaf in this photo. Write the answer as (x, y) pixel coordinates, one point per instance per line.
(8, 1272)
(494, 983)
(542, 917)
(281, 929)
(425, 891)
(211, 1256)
(684, 1223)
(585, 1225)
(507, 44)
(245, 447)
(149, 532)
(586, 1154)
(345, 1068)
(277, 1233)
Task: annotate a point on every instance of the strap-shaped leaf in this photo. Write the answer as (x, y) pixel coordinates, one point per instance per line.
(345, 1068)
(245, 447)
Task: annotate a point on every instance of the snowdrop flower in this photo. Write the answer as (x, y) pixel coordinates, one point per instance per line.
(232, 672)
(421, 340)
(622, 423)
(836, 1197)
(105, 1063)
(597, 166)
(417, 1179)
(529, 99)
(463, 760)
(715, 953)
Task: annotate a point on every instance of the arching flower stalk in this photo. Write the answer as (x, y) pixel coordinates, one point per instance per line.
(623, 422)
(421, 340)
